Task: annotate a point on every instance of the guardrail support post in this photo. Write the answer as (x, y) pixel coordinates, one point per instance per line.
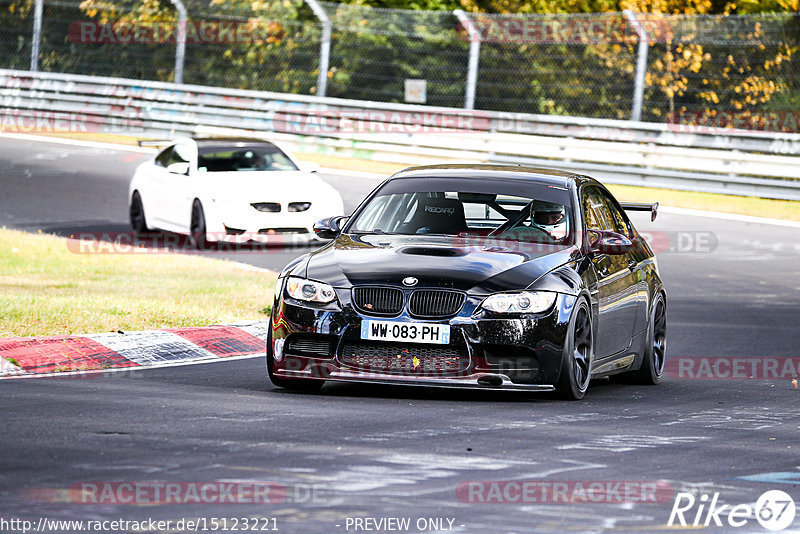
(324, 47)
(474, 56)
(641, 65)
(36, 38)
(180, 48)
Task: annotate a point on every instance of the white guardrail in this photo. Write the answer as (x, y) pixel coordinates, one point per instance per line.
(738, 162)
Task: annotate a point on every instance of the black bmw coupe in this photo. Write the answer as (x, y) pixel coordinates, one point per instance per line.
(474, 276)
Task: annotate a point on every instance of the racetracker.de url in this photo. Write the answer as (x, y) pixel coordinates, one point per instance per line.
(200, 524)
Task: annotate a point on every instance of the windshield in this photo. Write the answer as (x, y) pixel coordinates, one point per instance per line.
(469, 211)
(249, 157)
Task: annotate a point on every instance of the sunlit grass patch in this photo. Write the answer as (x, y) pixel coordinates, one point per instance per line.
(47, 289)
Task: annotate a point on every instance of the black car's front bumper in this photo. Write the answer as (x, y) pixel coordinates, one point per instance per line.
(507, 353)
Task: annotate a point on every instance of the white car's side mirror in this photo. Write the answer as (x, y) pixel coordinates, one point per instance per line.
(308, 166)
(181, 167)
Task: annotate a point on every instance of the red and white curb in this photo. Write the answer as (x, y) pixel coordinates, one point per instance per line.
(93, 353)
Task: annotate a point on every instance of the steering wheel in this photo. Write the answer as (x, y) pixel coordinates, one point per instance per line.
(546, 237)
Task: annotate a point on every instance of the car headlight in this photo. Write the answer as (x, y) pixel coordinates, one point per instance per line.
(309, 290)
(522, 302)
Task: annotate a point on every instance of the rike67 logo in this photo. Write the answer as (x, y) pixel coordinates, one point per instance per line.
(774, 510)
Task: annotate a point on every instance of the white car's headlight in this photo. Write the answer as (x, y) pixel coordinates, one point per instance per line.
(522, 302)
(309, 290)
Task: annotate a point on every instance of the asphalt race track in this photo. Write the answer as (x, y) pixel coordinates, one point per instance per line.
(432, 457)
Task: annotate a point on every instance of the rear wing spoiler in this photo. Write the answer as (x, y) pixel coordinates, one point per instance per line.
(635, 206)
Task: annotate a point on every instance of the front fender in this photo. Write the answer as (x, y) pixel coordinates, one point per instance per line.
(564, 279)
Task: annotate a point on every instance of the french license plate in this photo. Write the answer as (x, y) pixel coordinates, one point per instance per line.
(438, 334)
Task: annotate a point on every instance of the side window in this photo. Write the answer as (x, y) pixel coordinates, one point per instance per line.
(595, 210)
(601, 213)
(178, 155)
(620, 221)
(162, 160)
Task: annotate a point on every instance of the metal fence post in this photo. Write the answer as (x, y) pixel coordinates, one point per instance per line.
(180, 49)
(474, 56)
(641, 65)
(324, 47)
(36, 39)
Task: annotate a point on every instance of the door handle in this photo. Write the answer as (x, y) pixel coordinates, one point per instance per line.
(632, 265)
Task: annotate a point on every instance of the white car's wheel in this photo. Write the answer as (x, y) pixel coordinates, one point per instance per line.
(136, 214)
(197, 226)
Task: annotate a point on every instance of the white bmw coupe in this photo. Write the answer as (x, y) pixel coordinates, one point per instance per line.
(229, 189)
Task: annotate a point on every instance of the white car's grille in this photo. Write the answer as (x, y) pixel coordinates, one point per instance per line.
(267, 207)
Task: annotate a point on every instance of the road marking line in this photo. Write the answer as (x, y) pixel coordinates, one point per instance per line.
(729, 216)
(130, 369)
(78, 142)
(354, 174)
(9, 368)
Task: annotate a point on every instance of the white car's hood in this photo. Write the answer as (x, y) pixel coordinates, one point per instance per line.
(268, 186)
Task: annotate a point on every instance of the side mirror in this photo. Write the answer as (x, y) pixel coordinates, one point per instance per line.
(181, 167)
(328, 228)
(611, 243)
(308, 166)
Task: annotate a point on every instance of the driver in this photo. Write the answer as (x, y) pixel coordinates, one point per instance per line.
(547, 223)
(252, 160)
(550, 217)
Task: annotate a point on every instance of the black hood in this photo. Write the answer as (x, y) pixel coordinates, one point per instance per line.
(475, 265)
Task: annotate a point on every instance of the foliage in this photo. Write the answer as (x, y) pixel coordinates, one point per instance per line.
(697, 60)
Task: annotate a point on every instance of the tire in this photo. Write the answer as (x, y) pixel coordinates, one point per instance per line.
(296, 384)
(197, 226)
(136, 214)
(652, 369)
(576, 361)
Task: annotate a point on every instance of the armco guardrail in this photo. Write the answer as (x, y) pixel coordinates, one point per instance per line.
(738, 162)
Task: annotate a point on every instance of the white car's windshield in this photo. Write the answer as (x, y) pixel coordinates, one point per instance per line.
(518, 217)
(243, 157)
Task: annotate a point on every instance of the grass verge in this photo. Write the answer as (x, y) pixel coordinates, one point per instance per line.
(49, 290)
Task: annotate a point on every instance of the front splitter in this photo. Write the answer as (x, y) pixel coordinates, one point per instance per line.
(487, 381)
